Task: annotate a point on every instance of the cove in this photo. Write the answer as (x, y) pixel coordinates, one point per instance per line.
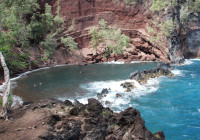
(66, 81)
(168, 104)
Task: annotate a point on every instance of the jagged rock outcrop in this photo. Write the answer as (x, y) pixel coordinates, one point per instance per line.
(128, 86)
(174, 43)
(143, 76)
(190, 37)
(175, 48)
(51, 119)
(93, 121)
(193, 47)
(103, 93)
(165, 66)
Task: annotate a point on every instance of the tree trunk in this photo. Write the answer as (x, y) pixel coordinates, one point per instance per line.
(6, 92)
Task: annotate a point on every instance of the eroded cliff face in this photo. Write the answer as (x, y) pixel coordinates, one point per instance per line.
(132, 19)
(191, 38)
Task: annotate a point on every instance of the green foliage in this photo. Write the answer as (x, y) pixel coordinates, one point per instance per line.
(72, 26)
(10, 100)
(22, 25)
(0, 101)
(151, 39)
(116, 126)
(13, 60)
(13, 15)
(168, 27)
(184, 13)
(104, 113)
(86, 111)
(49, 45)
(47, 18)
(69, 42)
(173, 2)
(103, 24)
(95, 36)
(193, 5)
(150, 30)
(158, 5)
(131, 1)
(112, 38)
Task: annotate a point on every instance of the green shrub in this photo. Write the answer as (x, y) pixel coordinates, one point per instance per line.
(23, 25)
(110, 37)
(95, 36)
(49, 45)
(184, 13)
(10, 100)
(131, 1)
(0, 101)
(72, 26)
(13, 60)
(69, 42)
(168, 27)
(151, 39)
(150, 30)
(104, 113)
(158, 5)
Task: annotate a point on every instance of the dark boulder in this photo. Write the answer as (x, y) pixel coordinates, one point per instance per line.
(143, 76)
(165, 66)
(103, 93)
(94, 106)
(93, 121)
(159, 135)
(128, 86)
(68, 103)
(118, 95)
(175, 48)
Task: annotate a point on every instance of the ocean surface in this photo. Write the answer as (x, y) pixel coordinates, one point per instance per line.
(168, 104)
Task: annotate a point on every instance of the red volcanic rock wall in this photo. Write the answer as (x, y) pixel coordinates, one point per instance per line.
(132, 19)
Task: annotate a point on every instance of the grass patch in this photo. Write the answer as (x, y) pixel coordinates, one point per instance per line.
(0, 101)
(10, 100)
(104, 113)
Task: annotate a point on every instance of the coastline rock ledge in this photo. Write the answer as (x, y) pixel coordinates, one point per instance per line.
(53, 119)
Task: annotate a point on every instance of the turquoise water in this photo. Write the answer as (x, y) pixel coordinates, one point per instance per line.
(168, 104)
(175, 106)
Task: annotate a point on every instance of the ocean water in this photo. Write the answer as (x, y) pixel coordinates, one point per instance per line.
(168, 104)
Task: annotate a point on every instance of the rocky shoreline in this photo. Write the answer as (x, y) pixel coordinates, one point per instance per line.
(53, 119)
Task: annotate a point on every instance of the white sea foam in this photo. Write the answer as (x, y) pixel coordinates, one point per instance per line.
(177, 72)
(193, 75)
(113, 62)
(196, 59)
(199, 110)
(188, 62)
(28, 72)
(122, 62)
(16, 100)
(114, 87)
